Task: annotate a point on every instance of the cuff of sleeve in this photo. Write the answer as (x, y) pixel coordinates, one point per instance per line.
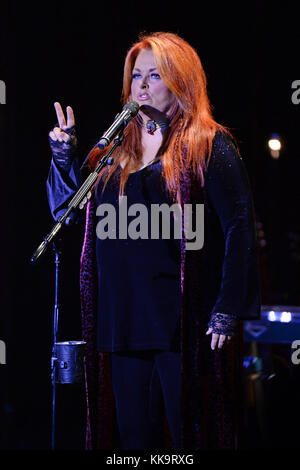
(223, 323)
(63, 152)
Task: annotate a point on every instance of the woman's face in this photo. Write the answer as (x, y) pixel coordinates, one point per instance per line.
(147, 87)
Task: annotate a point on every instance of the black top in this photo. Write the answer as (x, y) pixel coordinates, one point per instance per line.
(139, 295)
(230, 287)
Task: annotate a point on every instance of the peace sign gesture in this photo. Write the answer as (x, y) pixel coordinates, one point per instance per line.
(62, 133)
(62, 139)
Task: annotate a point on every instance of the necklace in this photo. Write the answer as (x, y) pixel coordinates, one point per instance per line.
(152, 125)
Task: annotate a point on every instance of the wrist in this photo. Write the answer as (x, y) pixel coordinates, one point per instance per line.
(223, 323)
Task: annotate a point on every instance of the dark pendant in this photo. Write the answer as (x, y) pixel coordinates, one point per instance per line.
(151, 127)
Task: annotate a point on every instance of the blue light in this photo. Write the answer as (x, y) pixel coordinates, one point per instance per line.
(283, 317)
(272, 315)
(286, 317)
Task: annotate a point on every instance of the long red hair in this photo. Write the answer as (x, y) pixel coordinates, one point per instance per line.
(192, 126)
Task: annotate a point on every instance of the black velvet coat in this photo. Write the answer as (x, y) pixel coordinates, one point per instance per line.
(222, 277)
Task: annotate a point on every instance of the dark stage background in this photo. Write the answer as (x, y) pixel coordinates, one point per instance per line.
(73, 53)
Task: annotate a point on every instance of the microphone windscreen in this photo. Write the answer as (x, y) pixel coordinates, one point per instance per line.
(133, 107)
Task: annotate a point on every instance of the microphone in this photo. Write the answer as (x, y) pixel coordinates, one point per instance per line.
(129, 111)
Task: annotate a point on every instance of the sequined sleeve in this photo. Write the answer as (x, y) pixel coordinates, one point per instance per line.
(64, 177)
(229, 197)
(223, 324)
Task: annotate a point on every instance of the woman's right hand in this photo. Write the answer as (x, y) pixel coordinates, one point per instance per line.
(58, 133)
(62, 139)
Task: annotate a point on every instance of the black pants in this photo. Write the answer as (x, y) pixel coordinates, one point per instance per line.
(144, 382)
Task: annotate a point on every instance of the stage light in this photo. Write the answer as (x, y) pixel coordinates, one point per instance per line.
(283, 317)
(271, 316)
(275, 145)
(286, 317)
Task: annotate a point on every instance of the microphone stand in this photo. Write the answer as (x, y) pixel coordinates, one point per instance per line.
(79, 200)
(57, 251)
